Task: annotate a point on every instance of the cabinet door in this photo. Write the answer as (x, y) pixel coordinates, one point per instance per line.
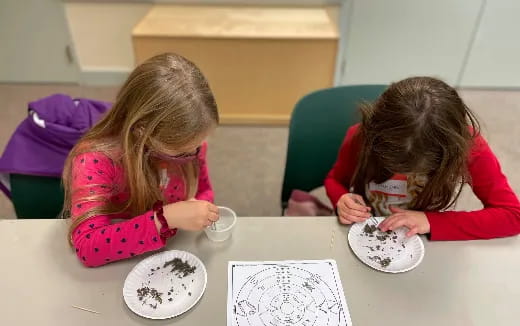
(35, 44)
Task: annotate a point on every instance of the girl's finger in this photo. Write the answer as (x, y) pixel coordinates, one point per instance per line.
(402, 221)
(358, 213)
(357, 206)
(351, 215)
(390, 221)
(213, 217)
(412, 231)
(358, 198)
(356, 203)
(342, 205)
(341, 212)
(354, 218)
(213, 209)
(395, 209)
(383, 226)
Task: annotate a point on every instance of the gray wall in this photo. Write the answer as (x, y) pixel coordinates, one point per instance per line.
(35, 44)
(468, 43)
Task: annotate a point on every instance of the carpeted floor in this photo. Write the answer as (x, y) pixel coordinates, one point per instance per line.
(246, 163)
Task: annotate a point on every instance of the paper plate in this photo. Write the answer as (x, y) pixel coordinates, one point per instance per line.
(165, 285)
(387, 252)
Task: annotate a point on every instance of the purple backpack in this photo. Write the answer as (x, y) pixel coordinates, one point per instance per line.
(41, 143)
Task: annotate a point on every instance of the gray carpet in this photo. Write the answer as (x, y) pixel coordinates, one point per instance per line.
(246, 163)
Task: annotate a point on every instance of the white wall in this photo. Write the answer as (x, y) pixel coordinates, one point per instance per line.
(105, 26)
(101, 31)
(494, 60)
(242, 2)
(390, 40)
(102, 37)
(256, 2)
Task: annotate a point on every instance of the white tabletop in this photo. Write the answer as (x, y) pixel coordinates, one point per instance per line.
(458, 283)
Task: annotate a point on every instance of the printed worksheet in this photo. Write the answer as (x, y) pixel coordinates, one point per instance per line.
(286, 293)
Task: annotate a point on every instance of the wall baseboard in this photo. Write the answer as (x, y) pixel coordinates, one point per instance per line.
(106, 76)
(255, 119)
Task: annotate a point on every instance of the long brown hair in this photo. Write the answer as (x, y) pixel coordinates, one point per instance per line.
(418, 125)
(165, 100)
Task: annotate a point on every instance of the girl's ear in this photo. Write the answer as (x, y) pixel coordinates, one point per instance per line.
(138, 131)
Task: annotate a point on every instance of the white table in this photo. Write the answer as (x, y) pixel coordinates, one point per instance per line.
(458, 283)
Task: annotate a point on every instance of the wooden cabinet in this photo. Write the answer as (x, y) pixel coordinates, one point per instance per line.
(259, 60)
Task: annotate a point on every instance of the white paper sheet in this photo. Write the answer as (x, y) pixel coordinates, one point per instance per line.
(286, 293)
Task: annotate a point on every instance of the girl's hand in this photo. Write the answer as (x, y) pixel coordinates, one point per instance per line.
(352, 208)
(192, 215)
(413, 220)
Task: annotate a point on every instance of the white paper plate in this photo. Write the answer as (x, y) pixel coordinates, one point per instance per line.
(179, 291)
(404, 253)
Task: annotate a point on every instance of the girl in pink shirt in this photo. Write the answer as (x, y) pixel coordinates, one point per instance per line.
(144, 163)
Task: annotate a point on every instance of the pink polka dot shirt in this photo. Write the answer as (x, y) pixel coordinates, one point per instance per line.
(100, 240)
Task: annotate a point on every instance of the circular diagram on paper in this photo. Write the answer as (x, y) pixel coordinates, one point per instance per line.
(286, 295)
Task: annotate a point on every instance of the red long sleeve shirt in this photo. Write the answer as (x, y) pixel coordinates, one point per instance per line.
(500, 216)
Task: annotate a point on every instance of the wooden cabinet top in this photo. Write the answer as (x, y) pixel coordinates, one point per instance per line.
(239, 22)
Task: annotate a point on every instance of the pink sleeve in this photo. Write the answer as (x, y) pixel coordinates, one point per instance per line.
(96, 240)
(500, 216)
(205, 190)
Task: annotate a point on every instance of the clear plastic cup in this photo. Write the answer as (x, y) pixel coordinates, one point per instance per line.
(223, 228)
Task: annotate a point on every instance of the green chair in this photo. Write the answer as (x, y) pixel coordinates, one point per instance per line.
(36, 196)
(317, 128)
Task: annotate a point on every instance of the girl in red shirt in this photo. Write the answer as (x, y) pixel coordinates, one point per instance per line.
(408, 159)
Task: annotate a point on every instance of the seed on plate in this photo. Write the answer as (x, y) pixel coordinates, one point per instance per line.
(385, 262)
(369, 229)
(146, 292)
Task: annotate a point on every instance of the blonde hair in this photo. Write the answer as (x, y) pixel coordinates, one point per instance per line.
(166, 99)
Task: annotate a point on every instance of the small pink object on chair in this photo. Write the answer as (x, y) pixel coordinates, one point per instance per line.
(302, 203)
